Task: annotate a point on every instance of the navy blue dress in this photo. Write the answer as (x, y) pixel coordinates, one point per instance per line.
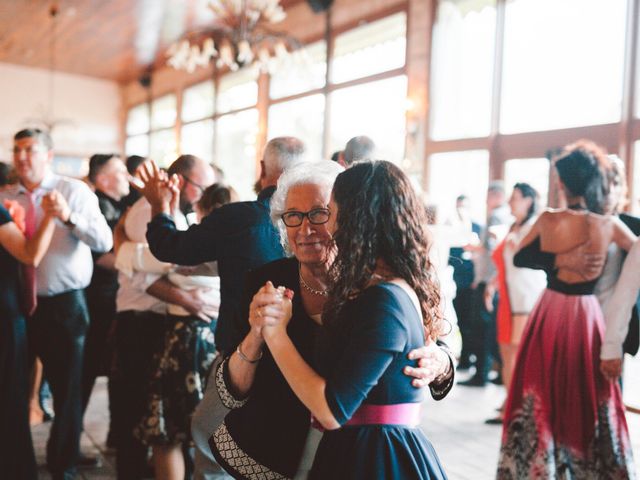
(17, 460)
(362, 357)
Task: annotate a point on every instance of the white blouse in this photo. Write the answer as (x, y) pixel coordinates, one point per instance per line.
(523, 284)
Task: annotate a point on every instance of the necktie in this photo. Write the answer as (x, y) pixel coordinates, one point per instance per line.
(30, 300)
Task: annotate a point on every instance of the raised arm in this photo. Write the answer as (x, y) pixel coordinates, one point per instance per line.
(243, 362)
(618, 312)
(29, 252)
(381, 335)
(622, 235)
(81, 214)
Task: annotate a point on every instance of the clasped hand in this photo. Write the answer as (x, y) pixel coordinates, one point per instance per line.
(160, 190)
(55, 205)
(270, 310)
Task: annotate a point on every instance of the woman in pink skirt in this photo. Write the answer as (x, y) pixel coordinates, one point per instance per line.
(563, 418)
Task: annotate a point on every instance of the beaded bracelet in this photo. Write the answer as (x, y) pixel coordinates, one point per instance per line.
(245, 358)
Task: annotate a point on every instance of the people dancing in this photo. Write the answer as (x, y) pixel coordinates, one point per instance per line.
(563, 418)
(268, 430)
(382, 300)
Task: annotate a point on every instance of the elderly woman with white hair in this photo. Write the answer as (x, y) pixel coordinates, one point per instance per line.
(267, 433)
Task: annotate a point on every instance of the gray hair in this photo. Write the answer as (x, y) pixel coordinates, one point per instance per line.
(282, 153)
(496, 186)
(357, 149)
(322, 173)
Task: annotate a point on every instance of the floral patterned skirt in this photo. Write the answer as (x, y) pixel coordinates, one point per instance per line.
(563, 419)
(177, 385)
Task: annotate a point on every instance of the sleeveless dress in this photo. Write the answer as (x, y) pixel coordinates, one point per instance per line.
(563, 419)
(17, 460)
(362, 358)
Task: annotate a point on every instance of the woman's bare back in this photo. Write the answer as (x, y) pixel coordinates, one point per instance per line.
(562, 231)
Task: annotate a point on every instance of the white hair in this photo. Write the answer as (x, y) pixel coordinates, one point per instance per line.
(282, 153)
(322, 173)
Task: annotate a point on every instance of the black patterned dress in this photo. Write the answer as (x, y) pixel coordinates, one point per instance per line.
(178, 386)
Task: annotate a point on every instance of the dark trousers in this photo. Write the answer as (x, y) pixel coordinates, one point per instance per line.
(17, 458)
(56, 334)
(97, 346)
(139, 336)
(484, 332)
(463, 305)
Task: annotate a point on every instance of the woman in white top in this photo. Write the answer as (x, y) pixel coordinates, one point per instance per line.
(518, 288)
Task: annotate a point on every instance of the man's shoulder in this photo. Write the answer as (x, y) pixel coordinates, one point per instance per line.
(135, 223)
(63, 182)
(242, 213)
(280, 272)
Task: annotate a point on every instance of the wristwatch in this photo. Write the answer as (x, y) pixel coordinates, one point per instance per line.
(72, 220)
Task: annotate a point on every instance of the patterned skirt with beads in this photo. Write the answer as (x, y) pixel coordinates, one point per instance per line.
(177, 386)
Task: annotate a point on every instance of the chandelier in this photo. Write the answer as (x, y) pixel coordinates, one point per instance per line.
(240, 36)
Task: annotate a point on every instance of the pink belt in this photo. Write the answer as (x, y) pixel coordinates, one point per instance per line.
(397, 414)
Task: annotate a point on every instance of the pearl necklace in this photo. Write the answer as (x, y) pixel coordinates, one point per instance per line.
(308, 288)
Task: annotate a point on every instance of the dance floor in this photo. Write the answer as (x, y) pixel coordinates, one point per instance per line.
(467, 447)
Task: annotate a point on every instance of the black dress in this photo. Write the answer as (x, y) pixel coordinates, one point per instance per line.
(362, 358)
(17, 460)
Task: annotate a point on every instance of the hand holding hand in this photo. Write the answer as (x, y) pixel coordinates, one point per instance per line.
(270, 309)
(611, 369)
(432, 363)
(158, 189)
(197, 304)
(55, 205)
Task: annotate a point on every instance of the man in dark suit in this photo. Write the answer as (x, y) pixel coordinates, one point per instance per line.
(463, 274)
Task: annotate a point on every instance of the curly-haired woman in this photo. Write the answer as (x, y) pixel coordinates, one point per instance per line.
(382, 301)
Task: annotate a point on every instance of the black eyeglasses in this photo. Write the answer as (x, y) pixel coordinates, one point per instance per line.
(317, 216)
(197, 185)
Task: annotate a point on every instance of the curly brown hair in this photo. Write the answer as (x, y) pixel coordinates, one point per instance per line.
(381, 218)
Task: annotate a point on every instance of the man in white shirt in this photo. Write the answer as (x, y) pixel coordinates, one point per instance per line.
(58, 318)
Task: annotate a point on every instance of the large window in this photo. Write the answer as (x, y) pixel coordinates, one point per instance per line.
(459, 173)
(236, 150)
(198, 101)
(151, 130)
(197, 139)
(557, 72)
(462, 69)
(219, 119)
(300, 73)
(353, 113)
(305, 117)
(163, 147)
(237, 90)
(371, 55)
(534, 171)
(372, 48)
(137, 129)
(518, 79)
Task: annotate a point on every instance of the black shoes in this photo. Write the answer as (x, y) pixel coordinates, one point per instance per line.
(493, 421)
(85, 461)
